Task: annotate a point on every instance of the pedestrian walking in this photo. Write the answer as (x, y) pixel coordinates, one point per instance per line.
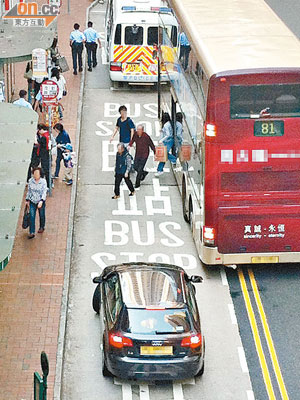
(76, 42)
(124, 126)
(69, 161)
(91, 37)
(34, 160)
(57, 77)
(43, 139)
(167, 139)
(36, 200)
(143, 143)
(21, 101)
(185, 49)
(122, 170)
(61, 139)
(53, 49)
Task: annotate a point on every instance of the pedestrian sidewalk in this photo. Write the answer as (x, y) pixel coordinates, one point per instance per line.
(31, 284)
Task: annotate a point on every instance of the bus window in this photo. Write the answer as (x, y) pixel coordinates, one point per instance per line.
(118, 34)
(134, 35)
(152, 37)
(277, 100)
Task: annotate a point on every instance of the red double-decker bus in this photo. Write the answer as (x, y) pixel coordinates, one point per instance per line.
(238, 88)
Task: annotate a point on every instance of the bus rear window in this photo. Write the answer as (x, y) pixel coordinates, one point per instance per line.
(281, 100)
(134, 35)
(260, 181)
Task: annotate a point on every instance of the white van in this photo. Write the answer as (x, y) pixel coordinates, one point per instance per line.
(131, 33)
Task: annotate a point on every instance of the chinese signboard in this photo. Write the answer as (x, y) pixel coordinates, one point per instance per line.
(49, 92)
(39, 63)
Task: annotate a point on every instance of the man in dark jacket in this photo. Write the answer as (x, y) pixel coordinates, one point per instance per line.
(122, 170)
(43, 139)
(143, 143)
(61, 139)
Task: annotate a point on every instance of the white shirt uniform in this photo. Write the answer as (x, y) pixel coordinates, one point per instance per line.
(23, 103)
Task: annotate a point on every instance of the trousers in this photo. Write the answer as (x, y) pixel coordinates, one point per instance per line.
(91, 49)
(118, 180)
(77, 49)
(32, 212)
(139, 164)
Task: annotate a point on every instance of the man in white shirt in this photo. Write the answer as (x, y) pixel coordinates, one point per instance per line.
(21, 101)
(91, 37)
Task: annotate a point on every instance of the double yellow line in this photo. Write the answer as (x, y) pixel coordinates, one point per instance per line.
(256, 336)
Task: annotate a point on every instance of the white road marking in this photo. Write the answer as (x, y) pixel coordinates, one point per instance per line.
(250, 395)
(103, 56)
(133, 210)
(144, 392)
(126, 389)
(243, 361)
(232, 314)
(178, 391)
(223, 276)
(94, 274)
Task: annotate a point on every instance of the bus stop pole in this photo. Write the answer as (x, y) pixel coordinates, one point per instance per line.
(50, 128)
(158, 87)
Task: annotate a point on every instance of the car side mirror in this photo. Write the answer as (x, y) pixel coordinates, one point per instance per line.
(97, 279)
(196, 279)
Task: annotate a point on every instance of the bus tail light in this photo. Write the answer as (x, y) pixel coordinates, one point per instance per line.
(210, 130)
(209, 235)
(116, 66)
(193, 341)
(119, 341)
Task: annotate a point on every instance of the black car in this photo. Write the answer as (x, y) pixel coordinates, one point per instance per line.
(150, 324)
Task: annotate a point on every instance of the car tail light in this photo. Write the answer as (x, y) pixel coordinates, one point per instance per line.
(193, 341)
(209, 235)
(119, 341)
(210, 130)
(116, 66)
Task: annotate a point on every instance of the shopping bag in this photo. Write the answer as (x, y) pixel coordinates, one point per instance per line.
(185, 152)
(62, 63)
(26, 218)
(161, 153)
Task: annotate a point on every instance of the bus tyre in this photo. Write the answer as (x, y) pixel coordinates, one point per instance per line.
(183, 198)
(96, 299)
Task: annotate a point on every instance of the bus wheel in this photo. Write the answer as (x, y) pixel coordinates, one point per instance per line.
(191, 218)
(183, 198)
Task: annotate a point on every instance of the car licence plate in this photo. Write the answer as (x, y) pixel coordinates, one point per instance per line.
(156, 350)
(265, 260)
(132, 68)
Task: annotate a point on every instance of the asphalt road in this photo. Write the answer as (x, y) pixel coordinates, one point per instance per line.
(146, 227)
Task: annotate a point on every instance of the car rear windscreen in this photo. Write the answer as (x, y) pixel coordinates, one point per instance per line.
(145, 321)
(252, 101)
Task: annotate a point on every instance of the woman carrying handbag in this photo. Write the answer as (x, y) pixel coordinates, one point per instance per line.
(36, 200)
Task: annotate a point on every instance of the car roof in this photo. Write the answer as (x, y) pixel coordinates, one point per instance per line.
(150, 285)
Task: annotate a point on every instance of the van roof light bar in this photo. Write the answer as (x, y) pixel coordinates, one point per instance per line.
(129, 8)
